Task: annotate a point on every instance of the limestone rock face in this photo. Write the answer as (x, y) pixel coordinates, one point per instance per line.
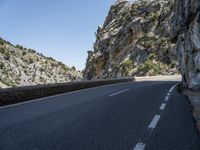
(22, 67)
(186, 34)
(133, 41)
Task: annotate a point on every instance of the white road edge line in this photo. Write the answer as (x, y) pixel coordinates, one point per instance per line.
(117, 93)
(168, 94)
(139, 146)
(57, 95)
(162, 107)
(154, 122)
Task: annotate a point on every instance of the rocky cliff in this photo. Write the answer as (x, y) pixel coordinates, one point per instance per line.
(20, 66)
(186, 35)
(133, 41)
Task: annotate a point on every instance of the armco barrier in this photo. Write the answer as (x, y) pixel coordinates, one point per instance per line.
(20, 94)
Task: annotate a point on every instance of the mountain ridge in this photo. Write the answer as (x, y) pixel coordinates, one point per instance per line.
(133, 41)
(20, 66)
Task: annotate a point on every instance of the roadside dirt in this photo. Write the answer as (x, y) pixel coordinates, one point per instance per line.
(194, 97)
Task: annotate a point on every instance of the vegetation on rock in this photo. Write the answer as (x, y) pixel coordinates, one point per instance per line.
(133, 41)
(20, 66)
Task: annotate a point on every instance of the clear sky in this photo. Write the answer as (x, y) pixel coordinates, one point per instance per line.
(62, 29)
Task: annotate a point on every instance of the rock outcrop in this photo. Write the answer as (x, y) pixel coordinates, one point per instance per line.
(186, 34)
(20, 67)
(134, 41)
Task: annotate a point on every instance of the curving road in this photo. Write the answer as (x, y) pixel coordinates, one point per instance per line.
(148, 115)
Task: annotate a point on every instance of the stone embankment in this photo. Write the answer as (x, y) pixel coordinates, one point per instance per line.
(20, 94)
(159, 78)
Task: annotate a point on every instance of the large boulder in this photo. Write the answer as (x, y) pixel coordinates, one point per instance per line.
(133, 41)
(186, 35)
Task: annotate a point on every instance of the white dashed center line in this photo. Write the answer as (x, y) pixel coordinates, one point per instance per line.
(166, 98)
(172, 88)
(154, 122)
(139, 146)
(162, 107)
(120, 92)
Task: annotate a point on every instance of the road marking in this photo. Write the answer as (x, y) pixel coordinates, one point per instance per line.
(172, 88)
(57, 95)
(139, 146)
(166, 98)
(162, 107)
(154, 122)
(117, 93)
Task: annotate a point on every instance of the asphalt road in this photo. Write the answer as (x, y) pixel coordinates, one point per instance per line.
(135, 115)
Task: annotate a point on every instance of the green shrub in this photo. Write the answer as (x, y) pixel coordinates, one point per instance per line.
(173, 63)
(41, 69)
(152, 56)
(19, 47)
(149, 65)
(41, 54)
(50, 58)
(60, 64)
(8, 82)
(7, 56)
(2, 50)
(2, 41)
(73, 68)
(41, 79)
(26, 72)
(126, 66)
(31, 60)
(23, 53)
(31, 51)
(90, 52)
(17, 80)
(2, 65)
(147, 41)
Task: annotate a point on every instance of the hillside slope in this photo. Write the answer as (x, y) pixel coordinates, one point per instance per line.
(133, 41)
(20, 66)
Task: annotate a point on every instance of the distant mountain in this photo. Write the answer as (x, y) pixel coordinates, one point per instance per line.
(21, 66)
(134, 41)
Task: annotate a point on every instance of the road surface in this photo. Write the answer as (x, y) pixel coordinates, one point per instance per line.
(148, 115)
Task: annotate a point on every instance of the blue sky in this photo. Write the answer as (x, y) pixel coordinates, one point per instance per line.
(63, 29)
